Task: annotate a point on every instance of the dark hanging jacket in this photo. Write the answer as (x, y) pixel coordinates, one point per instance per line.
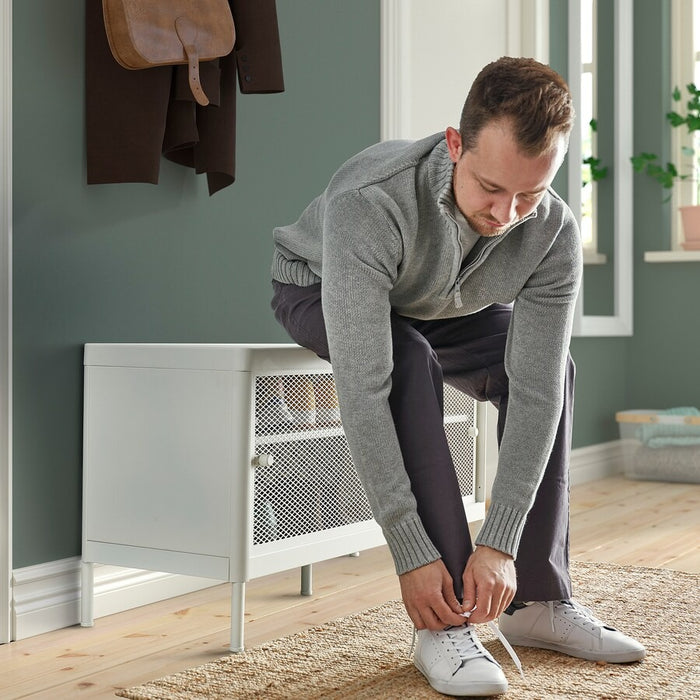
(132, 116)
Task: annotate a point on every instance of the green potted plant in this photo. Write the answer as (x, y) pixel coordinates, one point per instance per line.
(593, 168)
(669, 174)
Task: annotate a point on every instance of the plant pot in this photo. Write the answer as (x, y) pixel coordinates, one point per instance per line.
(691, 227)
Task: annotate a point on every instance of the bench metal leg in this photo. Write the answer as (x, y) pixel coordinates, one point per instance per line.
(306, 580)
(237, 615)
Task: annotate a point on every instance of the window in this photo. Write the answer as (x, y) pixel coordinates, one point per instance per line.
(584, 120)
(587, 123)
(613, 42)
(685, 69)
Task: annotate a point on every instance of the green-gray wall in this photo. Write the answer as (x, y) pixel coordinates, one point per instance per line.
(140, 262)
(168, 263)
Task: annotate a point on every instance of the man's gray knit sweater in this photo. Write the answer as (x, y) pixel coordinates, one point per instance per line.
(383, 236)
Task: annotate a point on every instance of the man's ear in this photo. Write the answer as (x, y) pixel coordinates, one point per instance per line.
(454, 143)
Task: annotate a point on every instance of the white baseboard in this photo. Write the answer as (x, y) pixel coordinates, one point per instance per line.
(46, 597)
(597, 461)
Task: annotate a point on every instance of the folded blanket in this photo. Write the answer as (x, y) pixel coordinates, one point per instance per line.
(669, 434)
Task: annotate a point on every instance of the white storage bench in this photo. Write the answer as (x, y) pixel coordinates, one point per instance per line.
(229, 462)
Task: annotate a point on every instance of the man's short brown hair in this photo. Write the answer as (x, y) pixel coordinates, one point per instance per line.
(531, 95)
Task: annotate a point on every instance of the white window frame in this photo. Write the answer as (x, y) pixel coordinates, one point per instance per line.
(621, 322)
(683, 57)
(591, 255)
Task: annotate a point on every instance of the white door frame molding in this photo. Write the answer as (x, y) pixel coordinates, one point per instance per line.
(525, 32)
(5, 319)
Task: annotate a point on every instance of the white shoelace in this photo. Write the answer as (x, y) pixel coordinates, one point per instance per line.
(570, 608)
(508, 647)
(468, 646)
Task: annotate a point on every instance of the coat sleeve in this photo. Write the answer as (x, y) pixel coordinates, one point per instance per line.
(257, 50)
(133, 116)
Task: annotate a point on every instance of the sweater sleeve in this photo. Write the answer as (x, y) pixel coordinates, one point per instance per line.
(361, 254)
(536, 357)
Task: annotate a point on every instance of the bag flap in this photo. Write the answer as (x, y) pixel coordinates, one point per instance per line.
(142, 33)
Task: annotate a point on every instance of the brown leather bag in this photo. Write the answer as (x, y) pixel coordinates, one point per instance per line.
(148, 33)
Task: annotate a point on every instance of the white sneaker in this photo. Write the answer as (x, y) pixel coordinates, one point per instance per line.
(456, 663)
(566, 626)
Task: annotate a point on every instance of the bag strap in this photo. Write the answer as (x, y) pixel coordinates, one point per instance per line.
(187, 33)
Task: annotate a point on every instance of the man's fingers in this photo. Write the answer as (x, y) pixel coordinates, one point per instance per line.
(492, 600)
(429, 597)
(491, 603)
(489, 583)
(506, 600)
(484, 607)
(428, 618)
(446, 616)
(436, 614)
(448, 593)
(416, 618)
(469, 592)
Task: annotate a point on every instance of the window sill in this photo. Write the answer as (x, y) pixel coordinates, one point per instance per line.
(590, 257)
(662, 256)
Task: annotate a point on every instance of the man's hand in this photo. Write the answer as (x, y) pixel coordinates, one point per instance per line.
(429, 597)
(489, 583)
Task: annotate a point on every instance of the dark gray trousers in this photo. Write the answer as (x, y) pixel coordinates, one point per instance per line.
(467, 353)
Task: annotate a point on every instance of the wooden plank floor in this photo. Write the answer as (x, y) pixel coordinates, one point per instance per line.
(612, 520)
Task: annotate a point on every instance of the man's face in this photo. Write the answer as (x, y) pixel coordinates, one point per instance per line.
(495, 184)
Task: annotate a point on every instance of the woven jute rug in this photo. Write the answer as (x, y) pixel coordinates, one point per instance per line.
(366, 656)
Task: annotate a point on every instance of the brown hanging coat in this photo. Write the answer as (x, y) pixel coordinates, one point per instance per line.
(134, 115)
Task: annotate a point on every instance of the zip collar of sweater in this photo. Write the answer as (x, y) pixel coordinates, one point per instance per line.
(440, 176)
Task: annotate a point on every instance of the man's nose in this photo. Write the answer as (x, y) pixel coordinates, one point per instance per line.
(504, 209)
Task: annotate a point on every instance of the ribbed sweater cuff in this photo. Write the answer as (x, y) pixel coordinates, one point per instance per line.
(292, 271)
(502, 529)
(410, 545)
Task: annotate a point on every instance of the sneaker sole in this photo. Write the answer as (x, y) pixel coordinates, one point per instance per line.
(620, 657)
(475, 689)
